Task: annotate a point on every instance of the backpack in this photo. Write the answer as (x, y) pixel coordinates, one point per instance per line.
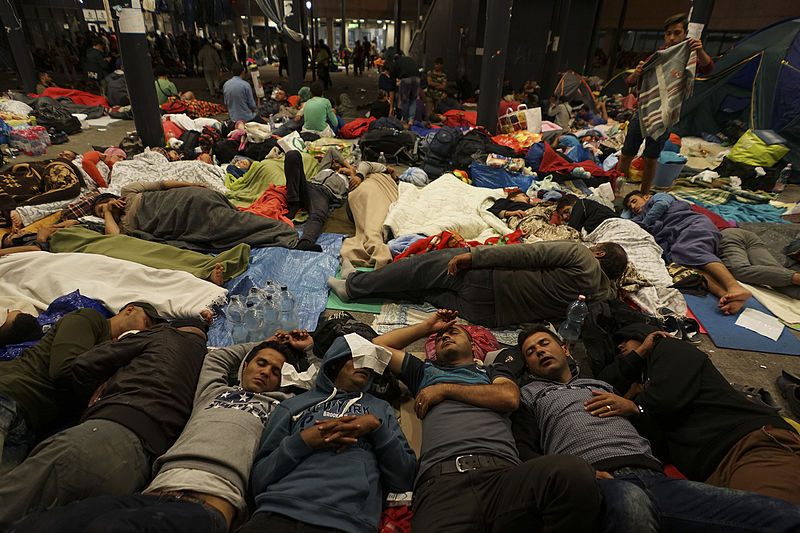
(355, 128)
(388, 123)
(456, 118)
(397, 146)
(439, 149)
(173, 106)
(474, 142)
(132, 144)
(225, 150)
(191, 139)
(51, 114)
(208, 137)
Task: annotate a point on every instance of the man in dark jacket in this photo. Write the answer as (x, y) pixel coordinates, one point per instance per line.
(38, 392)
(494, 285)
(560, 412)
(117, 88)
(709, 431)
(150, 379)
(327, 457)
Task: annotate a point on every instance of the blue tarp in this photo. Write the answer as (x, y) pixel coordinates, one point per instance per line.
(497, 178)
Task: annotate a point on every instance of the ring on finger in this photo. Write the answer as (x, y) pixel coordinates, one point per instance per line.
(608, 407)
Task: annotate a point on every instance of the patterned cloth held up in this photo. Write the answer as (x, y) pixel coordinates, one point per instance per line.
(667, 80)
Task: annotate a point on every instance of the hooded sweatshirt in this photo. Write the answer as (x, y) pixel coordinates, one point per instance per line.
(321, 487)
(220, 439)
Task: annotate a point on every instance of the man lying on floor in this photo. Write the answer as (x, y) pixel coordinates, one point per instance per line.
(562, 412)
(145, 384)
(710, 431)
(38, 392)
(688, 239)
(494, 285)
(202, 479)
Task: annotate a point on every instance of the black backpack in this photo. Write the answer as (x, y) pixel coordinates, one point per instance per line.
(191, 140)
(439, 151)
(476, 142)
(397, 146)
(50, 114)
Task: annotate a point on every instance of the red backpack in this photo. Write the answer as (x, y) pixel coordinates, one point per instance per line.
(455, 118)
(174, 105)
(355, 128)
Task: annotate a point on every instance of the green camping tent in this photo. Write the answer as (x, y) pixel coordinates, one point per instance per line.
(757, 81)
(617, 85)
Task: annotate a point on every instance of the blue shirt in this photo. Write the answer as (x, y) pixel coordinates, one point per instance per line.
(239, 99)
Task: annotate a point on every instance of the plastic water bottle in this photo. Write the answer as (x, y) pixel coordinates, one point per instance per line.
(783, 178)
(270, 289)
(382, 159)
(570, 329)
(235, 315)
(253, 315)
(271, 314)
(288, 308)
(356, 153)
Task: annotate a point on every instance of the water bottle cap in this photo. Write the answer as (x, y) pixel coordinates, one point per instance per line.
(284, 288)
(582, 298)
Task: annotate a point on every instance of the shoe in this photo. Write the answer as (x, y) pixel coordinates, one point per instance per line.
(790, 390)
(760, 397)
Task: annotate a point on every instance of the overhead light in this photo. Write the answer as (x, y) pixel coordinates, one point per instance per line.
(308, 4)
(244, 17)
(405, 22)
(355, 21)
(362, 21)
(338, 20)
(380, 22)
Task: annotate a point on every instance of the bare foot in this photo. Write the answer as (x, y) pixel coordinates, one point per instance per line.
(732, 302)
(16, 221)
(207, 317)
(216, 275)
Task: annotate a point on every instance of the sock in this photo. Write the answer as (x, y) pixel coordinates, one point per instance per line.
(339, 286)
(308, 246)
(347, 268)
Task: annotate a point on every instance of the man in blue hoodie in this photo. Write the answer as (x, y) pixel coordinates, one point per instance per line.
(327, 457)
(471, 477)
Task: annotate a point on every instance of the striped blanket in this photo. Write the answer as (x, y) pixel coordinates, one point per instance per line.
(667, 80)
(717, 192)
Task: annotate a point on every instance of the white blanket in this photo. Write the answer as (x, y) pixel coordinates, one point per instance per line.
(780, 305)
(41, 277)
(446, 204)
(152, 166)
(645, 255)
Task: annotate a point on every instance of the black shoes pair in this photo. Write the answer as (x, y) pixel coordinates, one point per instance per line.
(789, 385)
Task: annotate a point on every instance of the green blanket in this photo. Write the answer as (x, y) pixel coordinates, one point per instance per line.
(245, 190)
(82, 240)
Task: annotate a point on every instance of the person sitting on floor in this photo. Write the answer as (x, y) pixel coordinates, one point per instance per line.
(494, 285)
(17, 326)
(327, 457)
(328, 188)
(381, 106)
(582, 213)
(562, 412)
(318, 114)
(37, 393)
(448, 103)
(749, 260)
(275, 103)
(689, 239)
(560, 111)
(515, 204)
(470, 476)
(238, 389)
(165, 88)
(144, 387)
(238, 97)
(708, 430)
(117, 88)
(587, 118)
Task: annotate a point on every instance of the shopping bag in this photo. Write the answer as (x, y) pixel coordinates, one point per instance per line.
(293, 141)
(514, 120)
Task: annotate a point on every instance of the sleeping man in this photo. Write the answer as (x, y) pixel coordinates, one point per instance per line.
(689, 239)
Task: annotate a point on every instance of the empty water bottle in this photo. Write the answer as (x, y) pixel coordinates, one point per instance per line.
(356, 153)
(288, 308)
(382, 159)
(783, 178)
(570, 329)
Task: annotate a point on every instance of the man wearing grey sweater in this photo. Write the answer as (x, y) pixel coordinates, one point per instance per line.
(494, 285)
(202, 479)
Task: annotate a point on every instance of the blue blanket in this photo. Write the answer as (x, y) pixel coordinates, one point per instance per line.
(304, 273)
(741, 212)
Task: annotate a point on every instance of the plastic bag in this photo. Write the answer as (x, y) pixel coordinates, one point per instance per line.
(751, 150)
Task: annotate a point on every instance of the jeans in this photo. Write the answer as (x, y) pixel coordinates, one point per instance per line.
(409, 87)
(263, 521)
(310, 196)
(678, 505)
(424, 278)
(127, 513)
(16, 439)
(749, 260)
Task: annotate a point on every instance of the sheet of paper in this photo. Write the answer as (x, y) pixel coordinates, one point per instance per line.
(131, 21)
(761, 323)
(366, 354)
(101, 122)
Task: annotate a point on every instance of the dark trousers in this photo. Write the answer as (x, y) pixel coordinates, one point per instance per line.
(263, 522)
(301, 193)
(424, 277)
(129, 513)
(547, 494)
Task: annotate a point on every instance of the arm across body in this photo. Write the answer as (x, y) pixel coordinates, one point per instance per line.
(502, 396)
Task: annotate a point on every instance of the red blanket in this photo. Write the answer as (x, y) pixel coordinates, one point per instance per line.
(446, 239)
(77, 97)
(553, 162)
(271, 204)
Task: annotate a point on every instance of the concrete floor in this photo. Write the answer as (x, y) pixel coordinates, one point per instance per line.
(744, 367)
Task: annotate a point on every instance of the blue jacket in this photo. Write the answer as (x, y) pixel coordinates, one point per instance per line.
(343, 491)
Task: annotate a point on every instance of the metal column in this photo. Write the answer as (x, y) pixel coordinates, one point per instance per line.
(398, 25)
(700, 13)
(294, 49)
(343, 35)
(136, 58)
(495, 42)
(612, 57)
(19, 48)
